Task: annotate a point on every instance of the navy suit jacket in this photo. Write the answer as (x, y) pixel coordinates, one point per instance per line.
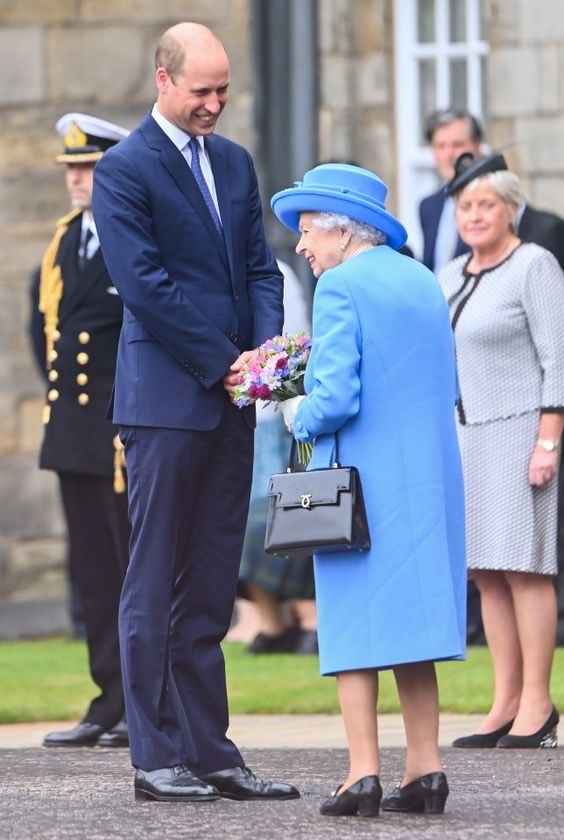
(193, 299)
(538, 226)
(430, 211)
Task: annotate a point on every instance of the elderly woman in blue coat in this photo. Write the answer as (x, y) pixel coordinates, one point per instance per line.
(382, 375)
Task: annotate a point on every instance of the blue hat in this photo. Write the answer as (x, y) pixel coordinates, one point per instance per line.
(344, 189)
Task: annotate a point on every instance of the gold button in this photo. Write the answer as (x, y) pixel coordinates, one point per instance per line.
(55, 335)
(52, 376)
(82, 358)
(53, 355)
(83, 399)
(82, 379)
(84, 337)
(53, 395)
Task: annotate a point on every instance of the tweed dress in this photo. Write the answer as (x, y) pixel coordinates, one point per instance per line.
(507, 323)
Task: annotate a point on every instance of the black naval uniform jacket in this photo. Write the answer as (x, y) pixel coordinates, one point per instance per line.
(77, 436)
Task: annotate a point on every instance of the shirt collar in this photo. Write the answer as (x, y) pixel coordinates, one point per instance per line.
(175, 134)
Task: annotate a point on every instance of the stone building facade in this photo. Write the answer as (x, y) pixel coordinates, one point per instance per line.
(95, 56)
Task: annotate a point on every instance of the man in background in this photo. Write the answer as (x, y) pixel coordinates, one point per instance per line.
(75, 324)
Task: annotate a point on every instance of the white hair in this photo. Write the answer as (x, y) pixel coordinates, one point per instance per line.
(503, 182)
(361, 230)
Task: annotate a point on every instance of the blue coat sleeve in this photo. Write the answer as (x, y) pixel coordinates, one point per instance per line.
(332, 378)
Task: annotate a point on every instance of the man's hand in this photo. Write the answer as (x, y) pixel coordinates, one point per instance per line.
(231, 378)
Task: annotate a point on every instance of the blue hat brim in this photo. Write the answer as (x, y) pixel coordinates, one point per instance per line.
(287, 206)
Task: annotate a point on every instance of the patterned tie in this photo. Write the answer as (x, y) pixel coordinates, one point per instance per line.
(201, 181)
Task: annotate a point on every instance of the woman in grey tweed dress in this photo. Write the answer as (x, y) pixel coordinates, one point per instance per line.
(507, 307)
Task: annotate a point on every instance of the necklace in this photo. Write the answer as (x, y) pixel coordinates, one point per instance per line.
(359, 250)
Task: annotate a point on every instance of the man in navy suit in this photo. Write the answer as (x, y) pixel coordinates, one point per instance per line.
(449, 133)
(180, 223)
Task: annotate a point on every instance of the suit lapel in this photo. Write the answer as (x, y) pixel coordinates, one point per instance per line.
(77, 283)
(177, 166)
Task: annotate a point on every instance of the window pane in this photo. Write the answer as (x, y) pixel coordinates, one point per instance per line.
(483, 23)
(484, 80)
(458, 89)
(426, 21)
(427, 87)
(457, 20)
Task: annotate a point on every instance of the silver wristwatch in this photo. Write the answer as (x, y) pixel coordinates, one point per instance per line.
(548, 445)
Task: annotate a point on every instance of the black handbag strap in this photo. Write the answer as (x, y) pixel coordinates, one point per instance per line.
(295, 466)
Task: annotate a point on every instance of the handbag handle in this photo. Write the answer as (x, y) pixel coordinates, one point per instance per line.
(294, 460)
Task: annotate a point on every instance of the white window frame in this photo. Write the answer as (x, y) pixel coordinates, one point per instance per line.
(416, 173)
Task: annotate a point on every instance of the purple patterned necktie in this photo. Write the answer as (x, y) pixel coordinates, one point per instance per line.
(201, 182)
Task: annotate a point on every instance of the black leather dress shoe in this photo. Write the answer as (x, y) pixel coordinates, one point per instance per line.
(173, 784)
(117, 736)
(83, 735)
(241, 783)
(307, 643)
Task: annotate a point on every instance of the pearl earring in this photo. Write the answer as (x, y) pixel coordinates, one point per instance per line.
(342, 247)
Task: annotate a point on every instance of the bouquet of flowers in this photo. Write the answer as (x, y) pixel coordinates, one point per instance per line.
(276, 373)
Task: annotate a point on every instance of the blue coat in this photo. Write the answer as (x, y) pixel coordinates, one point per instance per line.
(382, 373)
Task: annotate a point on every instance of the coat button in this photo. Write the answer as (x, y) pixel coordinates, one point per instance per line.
(83, 399)
(82, 379)
(55, 335)
(233, 336)
(52, 376)
(82, 358)
(52, 355)
(53, 395)
(84, 337)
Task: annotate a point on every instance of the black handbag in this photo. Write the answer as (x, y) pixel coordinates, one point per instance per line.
(316, 512)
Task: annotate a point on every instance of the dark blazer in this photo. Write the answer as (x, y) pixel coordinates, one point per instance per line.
(193, 299)
(77, 437)
(430, 211)
(543, 228)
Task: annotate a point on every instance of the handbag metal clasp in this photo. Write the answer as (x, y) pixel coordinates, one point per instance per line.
(306, 500)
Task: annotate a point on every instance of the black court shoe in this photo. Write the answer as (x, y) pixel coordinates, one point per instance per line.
(427, 794)
(545, 737)
(485, 740)
(362, 799)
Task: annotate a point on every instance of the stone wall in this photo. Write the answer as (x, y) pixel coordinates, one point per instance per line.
(526, 93)
(94, 56)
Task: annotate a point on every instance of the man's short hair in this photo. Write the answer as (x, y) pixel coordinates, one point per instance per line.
(446, 116)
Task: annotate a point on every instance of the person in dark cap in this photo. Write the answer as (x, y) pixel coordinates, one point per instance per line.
(382, 376)
(506, 300)
(76, 320)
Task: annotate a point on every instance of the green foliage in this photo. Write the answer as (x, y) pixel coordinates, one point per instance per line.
(48, 680)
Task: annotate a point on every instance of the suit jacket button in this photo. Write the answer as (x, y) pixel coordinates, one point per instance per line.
(52, 376)
(233, 337)
(82, 358)
(84, 337)
(83, 399)
(53, 395)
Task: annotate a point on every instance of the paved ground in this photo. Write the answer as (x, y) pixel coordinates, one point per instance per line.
(87, 794)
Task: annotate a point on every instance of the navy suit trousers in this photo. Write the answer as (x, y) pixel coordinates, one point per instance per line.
(188, 505)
